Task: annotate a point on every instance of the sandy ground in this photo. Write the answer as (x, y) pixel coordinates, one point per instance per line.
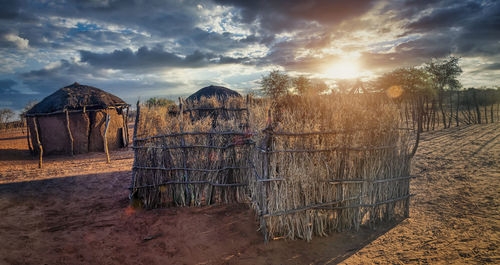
(75, 211)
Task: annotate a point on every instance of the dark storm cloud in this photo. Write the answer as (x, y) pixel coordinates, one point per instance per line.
(9, 10)
(46, 81)
(411, 53)
(469, 28)
(282, 15)
(168, 18)
(156, 57)
(472, 28)
(6, 86)
(493, 66)
(176, 20)
(482, 34)
(215, 42)
(445, 17)
(284, 54)
(64, 73)
(10, 97)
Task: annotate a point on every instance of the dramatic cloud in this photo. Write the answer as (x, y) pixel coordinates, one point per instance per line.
(493, 66)
(145, 58)
(286, 15)
(6, 86)
(172, 48)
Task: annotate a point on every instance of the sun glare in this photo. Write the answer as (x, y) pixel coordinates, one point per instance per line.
(344, 69)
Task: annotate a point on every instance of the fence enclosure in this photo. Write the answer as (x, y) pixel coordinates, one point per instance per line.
(318, 166)
(201, 159)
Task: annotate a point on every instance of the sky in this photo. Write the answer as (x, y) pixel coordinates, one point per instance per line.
(140, 49)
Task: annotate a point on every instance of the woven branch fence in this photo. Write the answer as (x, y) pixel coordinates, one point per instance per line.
(201, 160)
(319, 166)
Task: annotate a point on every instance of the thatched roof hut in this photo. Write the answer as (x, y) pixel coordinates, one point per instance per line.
(77, 119)
(219, 92)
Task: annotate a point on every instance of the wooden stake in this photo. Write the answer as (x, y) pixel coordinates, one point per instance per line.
(184, 155)
(106, 138)
(134, 170)
(126, 128)
(419, 129)
(28, 137)
(268, 145)
(40, 148)
(71, 141)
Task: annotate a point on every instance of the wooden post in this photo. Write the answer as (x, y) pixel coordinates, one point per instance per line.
(40, 148)
(28, 136)
(268, 146)
(247, 104)
(134, 137)
(184, 155)
(419, 129)
(106, 138)
(126, 128)
(71, 141)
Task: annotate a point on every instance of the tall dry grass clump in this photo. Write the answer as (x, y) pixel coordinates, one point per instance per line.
(330, 163)
(194, 154)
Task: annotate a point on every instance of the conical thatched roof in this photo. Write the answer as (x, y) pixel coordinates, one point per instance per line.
(75, 97)
(219, 92)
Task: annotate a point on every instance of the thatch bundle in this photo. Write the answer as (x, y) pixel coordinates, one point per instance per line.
(197, 157)
(328, 164)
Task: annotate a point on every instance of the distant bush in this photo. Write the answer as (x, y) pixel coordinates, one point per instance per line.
(159, 102)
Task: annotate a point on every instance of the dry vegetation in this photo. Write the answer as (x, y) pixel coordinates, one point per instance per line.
(75, 211)
(199, 168)
(353, 169)
(327, 181)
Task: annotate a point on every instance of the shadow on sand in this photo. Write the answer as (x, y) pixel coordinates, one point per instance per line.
(15, 154)
(12, 138)
(84, 204)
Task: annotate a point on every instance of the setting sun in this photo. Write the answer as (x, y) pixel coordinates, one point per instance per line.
(345, 69)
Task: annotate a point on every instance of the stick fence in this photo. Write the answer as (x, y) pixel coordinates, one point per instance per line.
(300, 183)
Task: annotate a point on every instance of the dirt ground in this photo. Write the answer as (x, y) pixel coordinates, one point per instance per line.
(76, 211)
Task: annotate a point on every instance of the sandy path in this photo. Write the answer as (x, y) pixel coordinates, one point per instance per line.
(455, 217)
(75, 211)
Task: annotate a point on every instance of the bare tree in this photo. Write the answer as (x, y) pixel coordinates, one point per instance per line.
(5, 115)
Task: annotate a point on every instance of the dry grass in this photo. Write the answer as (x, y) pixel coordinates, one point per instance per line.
(223, 154)
(320, 192)
(366, 122)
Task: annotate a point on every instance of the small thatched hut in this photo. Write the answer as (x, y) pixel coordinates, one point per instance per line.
(219, 92)
(77, 119)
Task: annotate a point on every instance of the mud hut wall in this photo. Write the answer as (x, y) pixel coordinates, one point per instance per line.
(116, 125)
(30, 124)
(53, 134)
(97, 126)
(79, 124)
